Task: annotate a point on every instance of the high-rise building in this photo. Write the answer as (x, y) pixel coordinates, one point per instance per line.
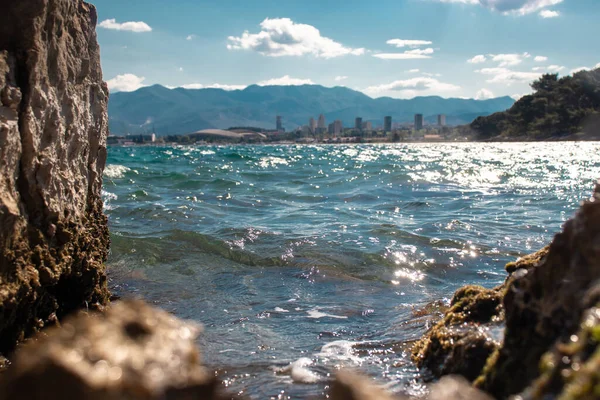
(441, 120)
(321, 124)
(367, 126)
(338, 127)
(418, 121)
(387, 124)
(358, 123)
(278, 123)
(312, 125)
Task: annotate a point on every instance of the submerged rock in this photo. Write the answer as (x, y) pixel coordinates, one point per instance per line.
(53, 127)
(131, 351)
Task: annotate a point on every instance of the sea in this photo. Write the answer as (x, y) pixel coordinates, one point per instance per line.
(300, 260)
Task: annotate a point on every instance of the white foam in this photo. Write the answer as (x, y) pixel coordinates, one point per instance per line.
(279, 309)
(316, 314)
(299, 371)
(340, 350)
(116, 171)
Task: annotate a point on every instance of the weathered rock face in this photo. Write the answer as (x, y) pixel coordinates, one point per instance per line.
(53, 128)
(545, 302)
(130, 352)
(550, 307)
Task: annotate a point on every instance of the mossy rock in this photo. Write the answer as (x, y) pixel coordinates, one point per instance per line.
(571, 371)
(461, 342)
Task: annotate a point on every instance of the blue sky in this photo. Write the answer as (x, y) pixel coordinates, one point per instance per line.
(396, 48)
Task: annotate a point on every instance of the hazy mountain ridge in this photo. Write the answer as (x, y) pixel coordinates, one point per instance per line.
(180, 111)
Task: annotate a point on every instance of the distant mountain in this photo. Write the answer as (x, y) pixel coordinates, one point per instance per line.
(180, 111)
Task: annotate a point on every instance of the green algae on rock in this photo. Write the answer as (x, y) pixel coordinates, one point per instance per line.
(53, 128)
(462, 341)
(571, 371)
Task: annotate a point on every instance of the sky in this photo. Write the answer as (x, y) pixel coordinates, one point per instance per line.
(398, 48)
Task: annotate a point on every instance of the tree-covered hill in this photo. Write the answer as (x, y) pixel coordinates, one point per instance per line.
(558, 108)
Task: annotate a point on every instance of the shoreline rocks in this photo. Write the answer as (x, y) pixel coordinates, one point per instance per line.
(53, 128)
(130, 351)
(549, 309)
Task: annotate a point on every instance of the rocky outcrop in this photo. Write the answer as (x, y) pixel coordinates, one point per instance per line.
(53, 128)
(545, 303)
(131, 351)
(464, 338)
(551, 313)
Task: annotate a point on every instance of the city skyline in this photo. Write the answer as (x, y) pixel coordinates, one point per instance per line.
(451, 48)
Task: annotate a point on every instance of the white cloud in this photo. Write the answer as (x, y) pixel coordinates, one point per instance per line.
(213, 86)
(399, 56)
(477, 59)
(510, 7)
(538, 68)
(407, 55)
(578, 69)
(507, 76)
(411, 86)
(413, 71)
(131, 26)
(540, 58)
(125, 83)
(430, 74)
(408, 43)
(549, 14)
(190, 37)
(286, 81)
(484, 94)
(517, 96)
(180, 69)
(509, 60)
(340, 78)
(555, 68)
(283, 37)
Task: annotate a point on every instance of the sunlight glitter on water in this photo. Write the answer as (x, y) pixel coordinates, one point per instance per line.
(315, 246)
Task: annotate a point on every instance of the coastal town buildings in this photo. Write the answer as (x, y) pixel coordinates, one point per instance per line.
(418, 122)
(387, 124)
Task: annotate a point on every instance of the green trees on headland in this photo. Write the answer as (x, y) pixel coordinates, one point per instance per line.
(557, 109)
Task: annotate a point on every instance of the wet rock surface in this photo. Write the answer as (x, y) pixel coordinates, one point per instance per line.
(131, 351)
(465, 337)
(53, 127)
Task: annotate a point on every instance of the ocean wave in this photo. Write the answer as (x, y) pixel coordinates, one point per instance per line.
(116, 171)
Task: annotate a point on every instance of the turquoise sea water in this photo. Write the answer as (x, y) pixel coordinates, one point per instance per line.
(299, 260)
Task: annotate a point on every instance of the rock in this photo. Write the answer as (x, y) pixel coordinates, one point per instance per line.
(545, 303)
(455, 388)
(53, 129)
(352, 386)
(131, 351)
(463, 340)
(571, 370)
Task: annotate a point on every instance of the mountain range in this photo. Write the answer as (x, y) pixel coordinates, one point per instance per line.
(180, 111)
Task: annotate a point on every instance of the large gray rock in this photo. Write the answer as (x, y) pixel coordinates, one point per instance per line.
(53, 128)
(129, 352)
